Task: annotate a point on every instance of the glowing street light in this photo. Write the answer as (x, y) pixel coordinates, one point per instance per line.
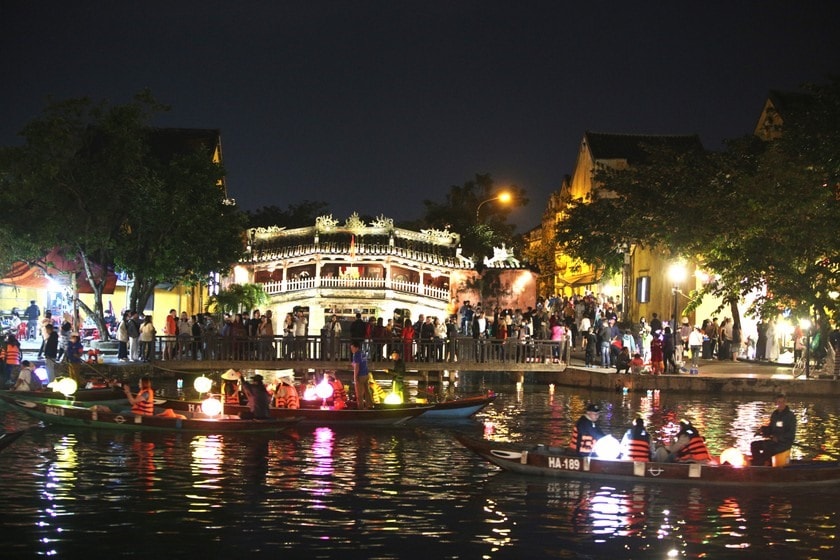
(503, 196)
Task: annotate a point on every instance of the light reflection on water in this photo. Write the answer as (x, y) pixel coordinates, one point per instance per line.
(386, 493)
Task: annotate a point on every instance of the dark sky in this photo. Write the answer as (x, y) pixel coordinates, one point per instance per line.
(375, 106)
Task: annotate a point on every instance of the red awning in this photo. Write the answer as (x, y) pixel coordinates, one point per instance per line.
(55, 274)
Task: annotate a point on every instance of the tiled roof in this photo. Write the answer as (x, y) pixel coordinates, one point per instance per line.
(632, 147)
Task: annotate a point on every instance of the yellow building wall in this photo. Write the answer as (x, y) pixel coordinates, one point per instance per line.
(179, 298)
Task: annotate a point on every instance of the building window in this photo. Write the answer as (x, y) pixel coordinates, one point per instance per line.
(643, 289)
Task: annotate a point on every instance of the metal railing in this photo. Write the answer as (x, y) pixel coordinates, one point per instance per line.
(323, 348)
(300, 284)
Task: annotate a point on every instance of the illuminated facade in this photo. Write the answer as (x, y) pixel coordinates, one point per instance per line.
(375, 269)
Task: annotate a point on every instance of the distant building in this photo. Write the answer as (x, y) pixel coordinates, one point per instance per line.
(375, 269)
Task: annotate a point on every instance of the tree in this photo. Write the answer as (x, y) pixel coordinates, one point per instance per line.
(237, 297)
(182, 228)
(478, 234)
(757, 214)
(298, 215)
(88, 181)
(70, 183)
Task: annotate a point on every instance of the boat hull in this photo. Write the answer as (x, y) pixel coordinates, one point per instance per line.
(458, 409)
(96, 417)
(8, 438)
(111, 397)
(542, 460)
(320, 415)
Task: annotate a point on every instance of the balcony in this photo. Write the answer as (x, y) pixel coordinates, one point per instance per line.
(301, 284)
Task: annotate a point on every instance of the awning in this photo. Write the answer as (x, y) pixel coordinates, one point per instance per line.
(55, 275)
(582, 279)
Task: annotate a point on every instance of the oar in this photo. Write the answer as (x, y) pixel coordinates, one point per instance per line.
(817, 451)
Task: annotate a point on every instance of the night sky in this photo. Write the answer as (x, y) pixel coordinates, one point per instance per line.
(375, 106)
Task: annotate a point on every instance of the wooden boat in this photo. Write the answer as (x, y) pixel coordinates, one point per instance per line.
(108, 396)
(312, 413)
(102, 417)
(8, 438)
(457, 409)
(553, 461)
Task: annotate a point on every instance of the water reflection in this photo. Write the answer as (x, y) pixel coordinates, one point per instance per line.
(362, 493)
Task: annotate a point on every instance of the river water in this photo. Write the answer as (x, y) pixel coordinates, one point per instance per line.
(404, 492)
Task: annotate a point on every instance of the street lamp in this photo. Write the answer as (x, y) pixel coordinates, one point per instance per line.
(676, 273)
(503, 196)
(806, 326)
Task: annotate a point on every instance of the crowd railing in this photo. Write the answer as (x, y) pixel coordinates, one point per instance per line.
(462, 349)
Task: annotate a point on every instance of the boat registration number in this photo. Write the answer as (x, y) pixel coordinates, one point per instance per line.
(54, 410)
(565, 463)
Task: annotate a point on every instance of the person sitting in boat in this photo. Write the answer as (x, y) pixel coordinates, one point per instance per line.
(635, 445)
(779, 433)
(339, 396)
(230, 387)
(689, 446)
(259, 400)
(286, 395)
(144, 402)
(27, 379)
(586, 431)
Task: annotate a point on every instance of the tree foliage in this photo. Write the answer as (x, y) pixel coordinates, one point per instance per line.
(236, 298)
(479, 234)
(296, 215)
(758, 215)
(85, 180)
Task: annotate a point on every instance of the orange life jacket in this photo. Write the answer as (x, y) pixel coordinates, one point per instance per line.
(696, 450)
(145, 403)
(286, 396)
(339, 398)
(638, 450)
(12, 355)
(587, 442)
(230, 392)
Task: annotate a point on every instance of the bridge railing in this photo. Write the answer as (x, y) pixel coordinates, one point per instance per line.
(324, 348)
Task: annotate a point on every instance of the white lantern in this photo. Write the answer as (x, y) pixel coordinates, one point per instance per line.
(203, 384)
(211, 406)
(607, 447)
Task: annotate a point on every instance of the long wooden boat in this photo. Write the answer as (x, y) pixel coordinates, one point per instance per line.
(543, 460)
(8, 438)
(109, 396)
(102, 417)
(311, 413)
(457, 409)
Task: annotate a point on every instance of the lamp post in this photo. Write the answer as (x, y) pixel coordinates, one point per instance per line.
(502, 196)
(676, 273)
(806, 326)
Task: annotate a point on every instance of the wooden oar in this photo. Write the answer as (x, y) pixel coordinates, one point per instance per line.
(817, 451)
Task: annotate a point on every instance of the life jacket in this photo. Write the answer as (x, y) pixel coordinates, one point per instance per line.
(145, 403)
(230, 392)
(12, 355)
(377, 393)
(587, 442)
(286, 396)
(339, 398)
(638, 449)
(696, 450)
